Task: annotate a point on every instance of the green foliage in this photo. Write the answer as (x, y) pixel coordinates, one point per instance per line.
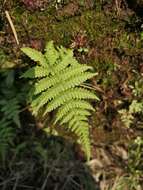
(10, 109)
(10, 103)
(135, 156)
(5, 60)
(7, 135)
(136, 107)
(57, 86)
(127, 116)
(137, 88)
(133, 181)
(10, 98)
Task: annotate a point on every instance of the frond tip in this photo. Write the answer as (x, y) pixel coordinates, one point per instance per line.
(59, 86)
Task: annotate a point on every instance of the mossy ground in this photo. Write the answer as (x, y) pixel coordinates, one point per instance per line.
(103, 34)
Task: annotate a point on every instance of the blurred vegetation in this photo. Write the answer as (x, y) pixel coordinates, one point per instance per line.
(104, 34)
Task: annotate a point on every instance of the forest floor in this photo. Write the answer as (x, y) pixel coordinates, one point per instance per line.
(107, 35)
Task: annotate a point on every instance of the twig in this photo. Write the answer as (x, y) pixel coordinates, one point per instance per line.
(4, 2)
(118, 4)
(16, 182)
(51, 170)
(12, 26)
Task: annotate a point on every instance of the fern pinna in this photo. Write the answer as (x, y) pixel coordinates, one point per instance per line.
(57, 86)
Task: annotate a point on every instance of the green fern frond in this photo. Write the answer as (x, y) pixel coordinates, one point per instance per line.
(3, 124)
(83, 140)
(47, 82)
(44, 84)
(10, 110)
(35, 55)
(36, 72)
(6, 132)
(75, 93)
(7, 135)
(66, 60)
(73, 112)
(51, 53)
(58, 87)
(82, 134)
(71, 105)
(74, 126)
(74, 120)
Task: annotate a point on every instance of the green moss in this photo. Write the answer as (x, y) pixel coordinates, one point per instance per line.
(44, 24)
(106, 69)
(97, 24)
(62, 32)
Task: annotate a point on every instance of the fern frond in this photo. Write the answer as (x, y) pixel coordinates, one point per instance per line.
(75, 93)
(71, 105)
(51, 81)
(58, 87)
(83, 135)
(74, 126)
(83, 140)
(72, 71)
(73, 112)
(35, 55)
(3, 124)
(51, 54)
(7, 135)
(36, 72)
(44, 84)
(64, 51)
(66, 60)
(75, 119)
(11, 110)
